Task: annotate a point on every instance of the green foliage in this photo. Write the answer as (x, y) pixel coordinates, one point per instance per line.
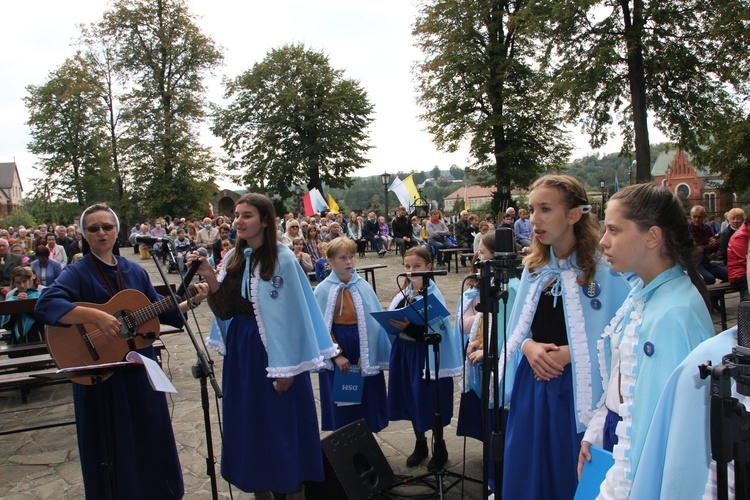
(684, 61)
(479, 81)
(19, 217)
(163, 58)
(66, 120)
(294, 120)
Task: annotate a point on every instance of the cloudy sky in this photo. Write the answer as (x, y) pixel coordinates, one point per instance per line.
(370, 41)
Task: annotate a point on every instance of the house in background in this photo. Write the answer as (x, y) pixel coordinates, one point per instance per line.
(697, 186)
(11, 190)
(475, 195)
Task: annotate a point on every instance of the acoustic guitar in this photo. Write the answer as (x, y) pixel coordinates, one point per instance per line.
(85, 344)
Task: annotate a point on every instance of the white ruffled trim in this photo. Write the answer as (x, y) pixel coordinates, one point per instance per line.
(217, 345)
(473, 334)
(521, 331)
(579, 347)
(621, 471)
(609, 333)
(364, 343)
(254, 284)
(293, 371)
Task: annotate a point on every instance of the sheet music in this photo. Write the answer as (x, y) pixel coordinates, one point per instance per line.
(156, 376)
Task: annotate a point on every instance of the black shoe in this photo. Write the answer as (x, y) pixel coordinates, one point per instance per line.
(463, 261)
(420, 453)
(439, 457)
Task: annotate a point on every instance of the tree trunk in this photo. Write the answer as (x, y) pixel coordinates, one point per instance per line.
(636, 78)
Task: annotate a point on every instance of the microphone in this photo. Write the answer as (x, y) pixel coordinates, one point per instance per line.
(202, 252)
(429, 274)
(150, 240)
(505, 246)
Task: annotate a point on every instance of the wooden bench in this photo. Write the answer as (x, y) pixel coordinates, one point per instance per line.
(457, 251)
(719, 291)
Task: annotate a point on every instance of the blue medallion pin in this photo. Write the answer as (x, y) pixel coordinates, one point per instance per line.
(648, 348)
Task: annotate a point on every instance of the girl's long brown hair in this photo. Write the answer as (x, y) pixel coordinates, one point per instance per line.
(586, 230)
(267, 255)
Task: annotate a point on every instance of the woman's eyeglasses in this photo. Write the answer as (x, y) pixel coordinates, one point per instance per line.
(95, 229)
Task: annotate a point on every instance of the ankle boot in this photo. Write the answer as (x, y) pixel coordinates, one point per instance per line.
(439, 457)
(420, 453)
(263, 495)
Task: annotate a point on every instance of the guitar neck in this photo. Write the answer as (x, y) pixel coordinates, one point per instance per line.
(156, 308)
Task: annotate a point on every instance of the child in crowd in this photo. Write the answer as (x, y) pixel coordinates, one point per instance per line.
(410, 397)
(347, 301)
(322, 269)
(665, 316)
(385, 233)
(566, 297)
(24, 328)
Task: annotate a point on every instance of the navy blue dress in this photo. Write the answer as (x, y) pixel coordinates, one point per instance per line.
(144, 453)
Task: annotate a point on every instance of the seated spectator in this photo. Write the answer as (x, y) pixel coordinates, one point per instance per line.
(8, 262)
(507, 221)
(334, 232)
(218, 245)
(355, 233)
(292, 231)
(183, 246)
(143, 248)
(484, 228)
(17, 249)
(207, 235)
(522, 228)
(24, 328)
(402, 231)
(56, 252)
(703, 238)
(416, 231)
(437, 233)
(371, 232)
(298, 247)
(24, 240)
(385, 233)
(312, 242)
(46, 269)
(737, 259)
(735, 219)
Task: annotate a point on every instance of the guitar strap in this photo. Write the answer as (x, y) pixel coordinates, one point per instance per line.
(98, 265)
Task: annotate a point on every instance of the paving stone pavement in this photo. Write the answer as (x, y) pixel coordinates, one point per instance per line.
(44, 464)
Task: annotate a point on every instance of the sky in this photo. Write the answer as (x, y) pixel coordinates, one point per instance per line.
(370, 41)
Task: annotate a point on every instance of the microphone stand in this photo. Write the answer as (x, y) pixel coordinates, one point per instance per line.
(433, 339)
(202, 370)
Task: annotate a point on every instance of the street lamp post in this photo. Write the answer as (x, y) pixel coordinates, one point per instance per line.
(298, 190)
(601, 185)
(386, 178)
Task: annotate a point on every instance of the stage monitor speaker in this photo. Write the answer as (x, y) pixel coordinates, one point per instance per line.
(355, 467)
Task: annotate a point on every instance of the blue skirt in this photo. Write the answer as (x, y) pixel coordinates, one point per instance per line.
(409, 395)
(271, 440)
(373, 408)
(139, 429)
(542, 445)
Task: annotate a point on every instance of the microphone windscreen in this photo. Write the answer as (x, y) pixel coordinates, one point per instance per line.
(743, 324)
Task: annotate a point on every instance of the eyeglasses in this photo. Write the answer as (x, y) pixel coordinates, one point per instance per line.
(95, 229)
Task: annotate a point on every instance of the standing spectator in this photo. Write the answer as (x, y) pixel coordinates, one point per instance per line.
(56, 252)
(704, 238)
(371, 232)
(437, 236)
(47, 270)
(522, 228)
(276, 335)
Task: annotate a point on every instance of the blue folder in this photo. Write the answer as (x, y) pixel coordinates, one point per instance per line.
(413, 312)
(594, 473)
(347, 389)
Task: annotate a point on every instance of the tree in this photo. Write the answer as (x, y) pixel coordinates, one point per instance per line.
(67, 124)
(293, 120)
(163, 57)
(685, 61)
(479, 81)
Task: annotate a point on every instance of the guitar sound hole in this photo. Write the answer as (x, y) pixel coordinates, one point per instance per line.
(126, 327)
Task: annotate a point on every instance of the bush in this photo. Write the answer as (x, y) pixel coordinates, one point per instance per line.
(19, 217)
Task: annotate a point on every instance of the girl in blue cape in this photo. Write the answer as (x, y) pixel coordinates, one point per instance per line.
(409, 395)
(347, 301)
(275, 337)
(665, 317)
(566, 297)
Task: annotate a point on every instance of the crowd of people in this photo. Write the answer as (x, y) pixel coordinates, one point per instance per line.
(601, 316)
